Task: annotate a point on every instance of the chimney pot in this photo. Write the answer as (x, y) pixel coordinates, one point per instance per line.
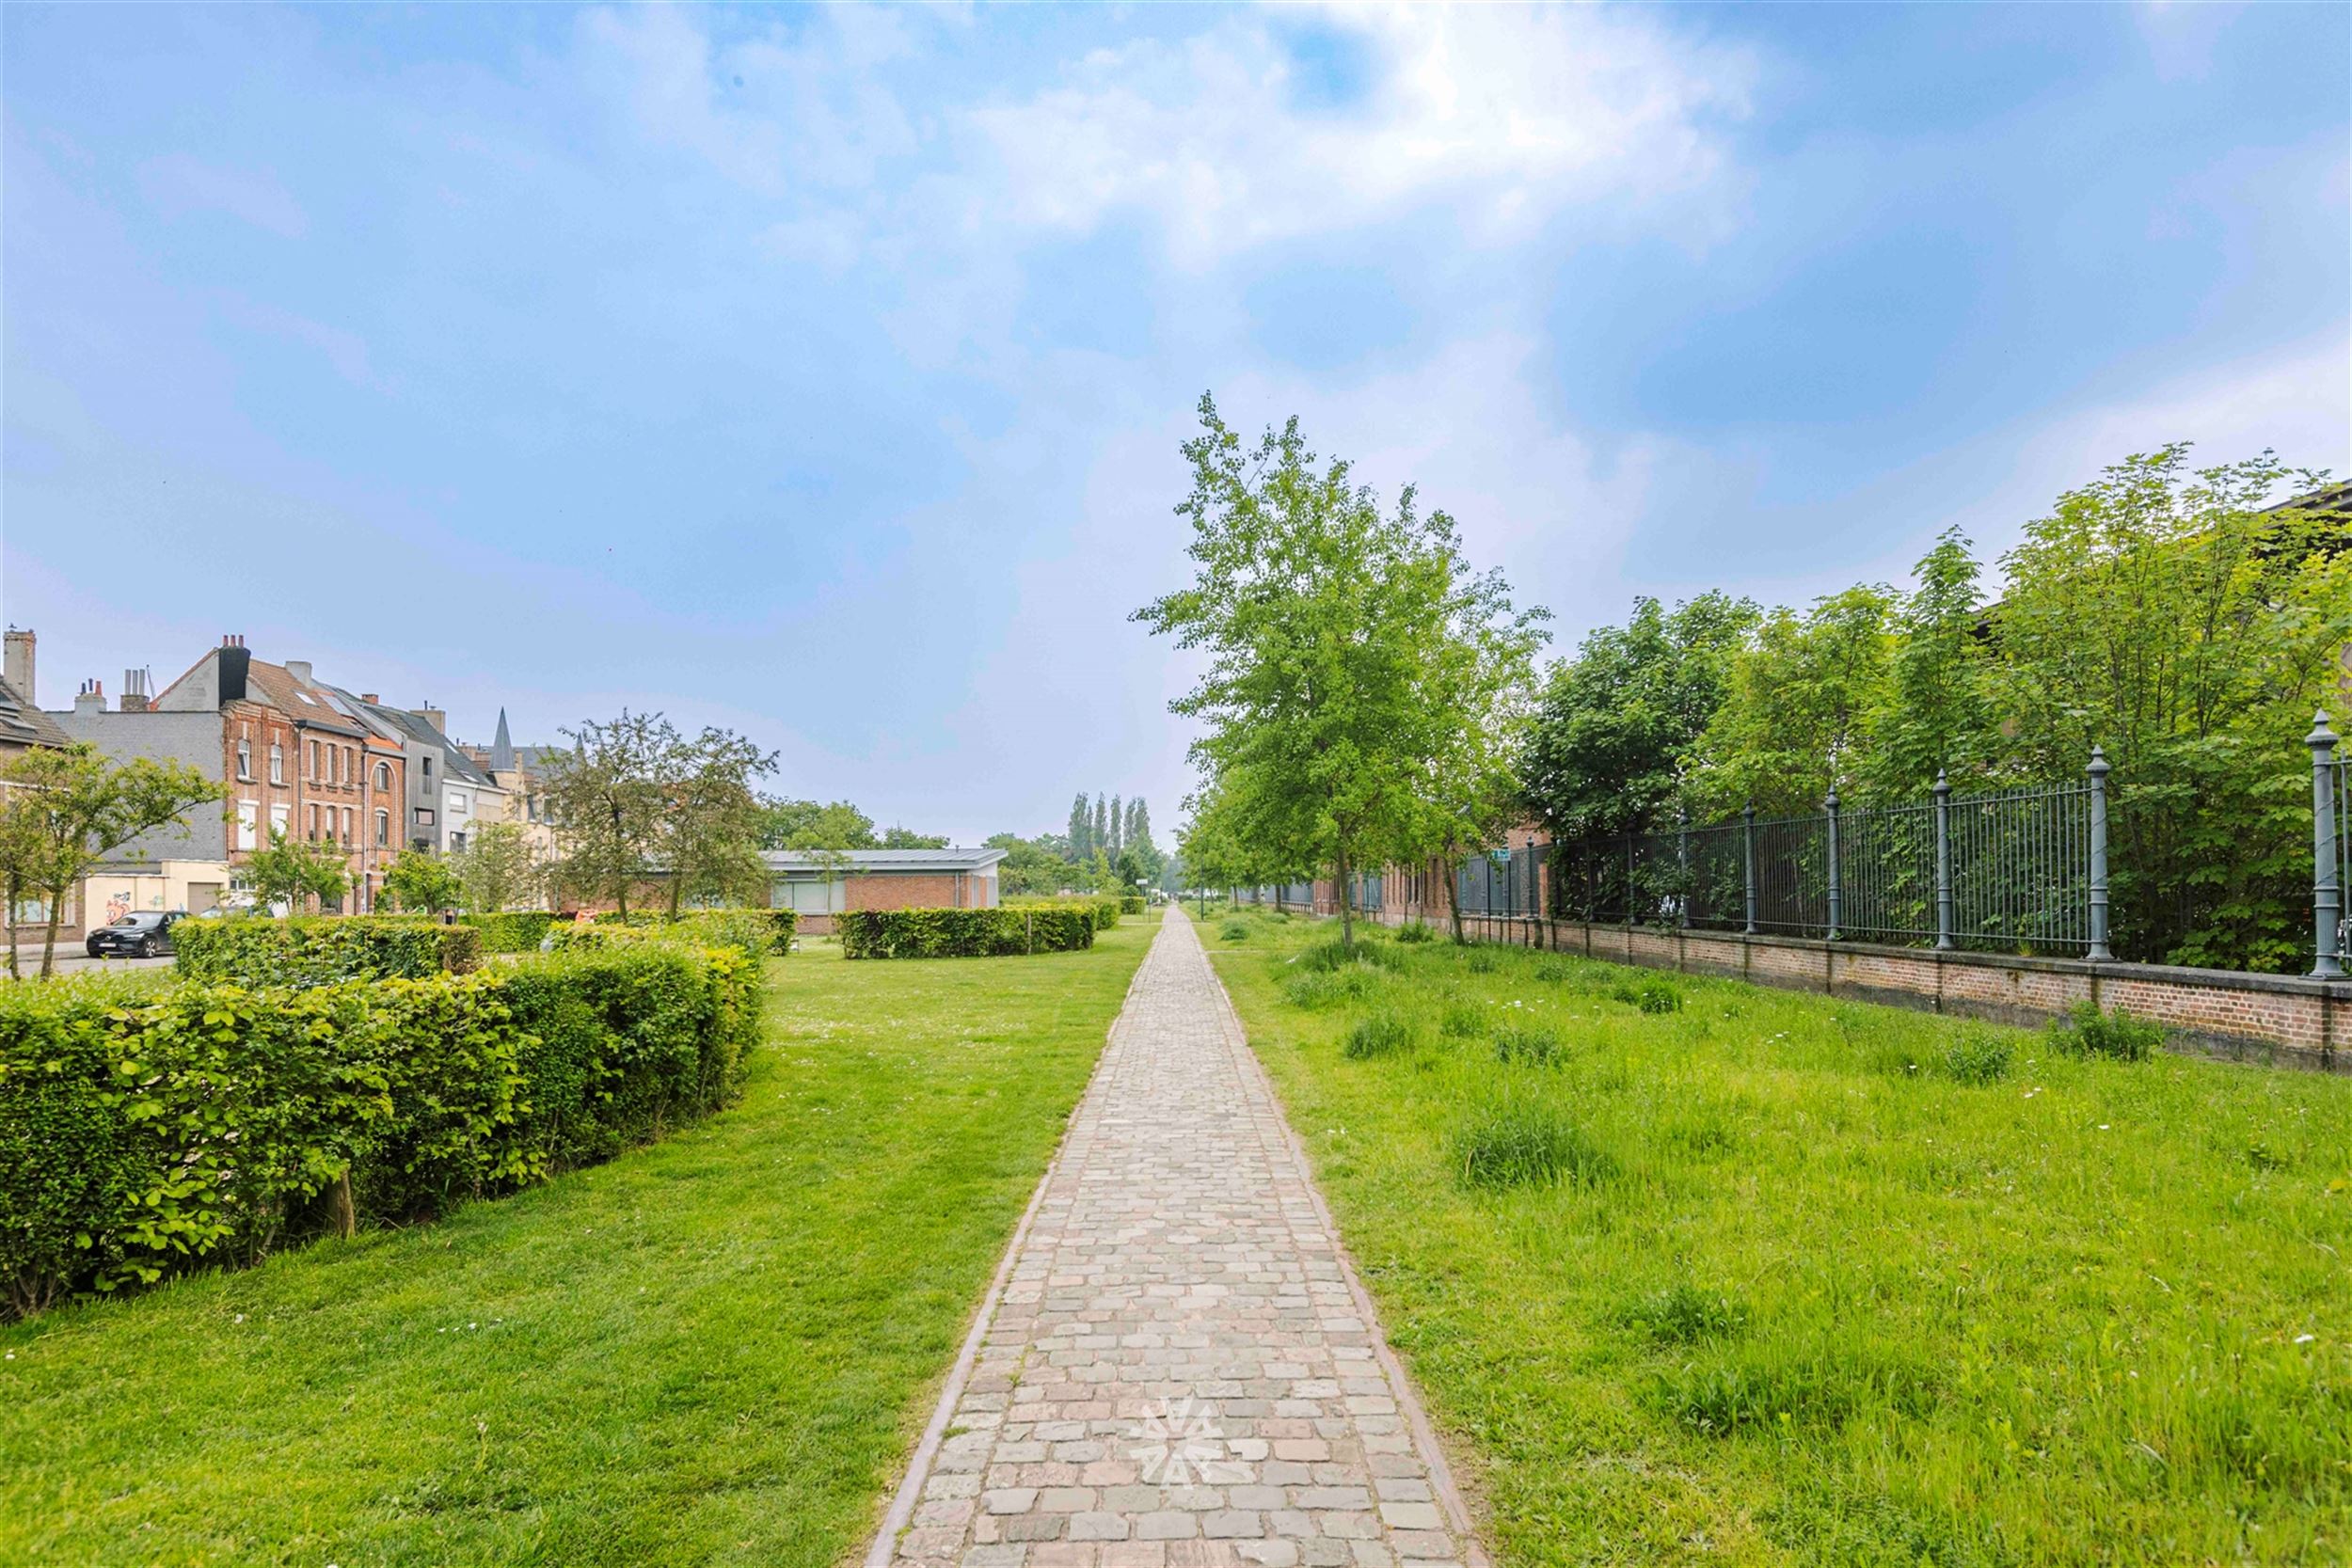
(91, 698)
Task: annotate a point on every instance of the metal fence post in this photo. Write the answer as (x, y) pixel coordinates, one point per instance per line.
(1747, 854)
(1943, 860)
(1628, 878)
(1682, 868)
(2098, 771)
(1837, 894)
(2327, 892)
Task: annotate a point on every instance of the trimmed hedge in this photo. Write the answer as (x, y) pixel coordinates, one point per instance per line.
(512, 930)
(1104, 912)
(963, 933)
(314, 950)
(217, 1122)
(754, 930)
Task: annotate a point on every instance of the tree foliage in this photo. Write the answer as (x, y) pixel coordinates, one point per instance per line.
(497, 870)
(2171, 616)
(1336, 679)
(418, 883)
(67, 808)
(297, 872)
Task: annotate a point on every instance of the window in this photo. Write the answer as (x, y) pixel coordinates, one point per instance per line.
(383, 829)
(280, 815)
(313, 833)
(249, 825)
(383, 776)
(346, 824)
(245, 759)
(428, 772)
(311, 755)
(277, 764)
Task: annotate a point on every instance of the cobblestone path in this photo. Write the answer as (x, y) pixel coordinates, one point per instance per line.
(1178, 1367)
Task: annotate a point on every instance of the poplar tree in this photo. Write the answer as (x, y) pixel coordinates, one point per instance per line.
(1081, 843)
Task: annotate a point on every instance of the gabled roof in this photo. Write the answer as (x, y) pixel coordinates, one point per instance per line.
(400, 722)
(871, 860)
(23, 724)
(306, 702)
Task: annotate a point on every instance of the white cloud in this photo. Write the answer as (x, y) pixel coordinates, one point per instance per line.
(1508, 113)
(176, 185)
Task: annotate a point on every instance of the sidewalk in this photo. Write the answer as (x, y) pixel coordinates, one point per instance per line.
(1178, 1367)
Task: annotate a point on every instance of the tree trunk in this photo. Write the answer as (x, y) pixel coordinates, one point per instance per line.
(14, 897)
(1347, 922)
(49, 935)
(1453, 905)
(346, 1211)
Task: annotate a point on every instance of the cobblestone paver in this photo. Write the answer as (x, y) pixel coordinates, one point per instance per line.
(1178, 1373)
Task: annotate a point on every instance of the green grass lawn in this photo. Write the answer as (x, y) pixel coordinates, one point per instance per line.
(718, 1349)
(1821, 1282)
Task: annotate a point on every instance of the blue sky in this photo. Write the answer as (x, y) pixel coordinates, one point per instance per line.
(822, 373)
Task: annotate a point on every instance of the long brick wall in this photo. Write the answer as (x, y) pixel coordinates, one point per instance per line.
(2281, 1020)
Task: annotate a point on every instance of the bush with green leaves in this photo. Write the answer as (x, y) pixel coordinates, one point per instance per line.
(1977, 1057)
(311, 950)
(1104, 912)
(1329, 955)
(214, 1122)
(2086, 1031)
(964, 933)
(1652, 997)
(1234, 931)
(1415, 932)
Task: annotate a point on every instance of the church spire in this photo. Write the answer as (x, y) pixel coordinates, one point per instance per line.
(502, 749)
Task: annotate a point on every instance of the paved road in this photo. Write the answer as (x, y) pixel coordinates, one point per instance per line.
(1178, 1368)
(72, 959)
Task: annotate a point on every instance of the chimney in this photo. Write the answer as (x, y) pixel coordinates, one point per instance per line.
(91, 699)
(236, 665)
(19, 667)
(369, 697)
(300, 669)
(136, 697)
(433, 715)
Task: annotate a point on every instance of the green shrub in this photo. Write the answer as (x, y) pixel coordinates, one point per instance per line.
(1653, 997)
(1523, 1143)
(2087, 1032)
(1529, 1045)
(1234, 931)
(1414, 930)
(584, 936)
(1131, 904)
(753, 930)
(1978, 1056)
(512, 930)
(1686, 1315)
(1104, 912)
(1038, 928)
(216, 1122)
(320, 949)
(1381, 1034)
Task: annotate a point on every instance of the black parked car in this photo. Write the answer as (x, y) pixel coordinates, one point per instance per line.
(141, 935)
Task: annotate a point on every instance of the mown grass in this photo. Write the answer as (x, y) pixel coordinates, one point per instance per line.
(715, 1350)
(1700, 1271)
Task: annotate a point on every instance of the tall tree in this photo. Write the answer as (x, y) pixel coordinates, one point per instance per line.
(1796, 720)
(1081, 829)
(796, 824)
(609, 795)
(1328, 626)
(2174, 619)
(71, 807)
(713, 819)
(1619, 723)
(1117, 827)
(907, 838)
(1099, 833)
(419, 882)
(1937, 711)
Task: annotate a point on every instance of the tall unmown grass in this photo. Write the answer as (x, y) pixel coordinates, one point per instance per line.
(1706, 1272)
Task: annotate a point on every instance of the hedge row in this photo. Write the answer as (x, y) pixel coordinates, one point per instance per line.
(512, 930)
(320, 949)
(753, 930)
(216, 1122)
(963, 933)
(1104, 911)
(777, 924)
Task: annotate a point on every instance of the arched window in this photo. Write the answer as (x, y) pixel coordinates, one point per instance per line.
(382, 778)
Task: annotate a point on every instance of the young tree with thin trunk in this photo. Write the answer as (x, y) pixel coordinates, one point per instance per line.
(713, 819)
(610, 797)
(67, 808)
(497, 869)
(296, 872)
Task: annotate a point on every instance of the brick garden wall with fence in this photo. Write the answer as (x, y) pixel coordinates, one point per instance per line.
(1993, 905)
